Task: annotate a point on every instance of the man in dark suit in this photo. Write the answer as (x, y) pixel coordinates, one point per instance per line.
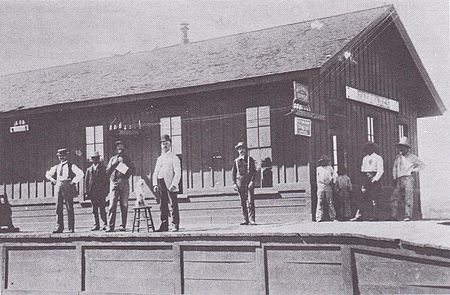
(120, 168)
(243, 173)
(97, 188)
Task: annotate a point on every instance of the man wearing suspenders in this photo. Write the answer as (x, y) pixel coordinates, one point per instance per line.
(64, 176)
(243, 174)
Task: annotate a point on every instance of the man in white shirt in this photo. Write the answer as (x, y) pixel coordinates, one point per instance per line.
(405, 164)
(166, 177)
(325, 177)
(64, 176)
(372, 170)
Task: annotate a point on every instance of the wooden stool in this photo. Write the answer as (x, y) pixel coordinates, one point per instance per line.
(148, 217)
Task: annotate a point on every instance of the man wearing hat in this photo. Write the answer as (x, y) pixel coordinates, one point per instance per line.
(166, 177)
(120, 168)
(97, 188)
(326, 177)
(64, 176)
(372, 169)
(404, 165)
(243, 173)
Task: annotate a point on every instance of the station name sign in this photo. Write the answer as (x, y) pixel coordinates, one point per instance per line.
(372, 99)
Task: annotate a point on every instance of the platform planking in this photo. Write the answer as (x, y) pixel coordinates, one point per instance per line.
(227, 262)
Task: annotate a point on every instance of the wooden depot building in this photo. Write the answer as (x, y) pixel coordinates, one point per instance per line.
(292, 92)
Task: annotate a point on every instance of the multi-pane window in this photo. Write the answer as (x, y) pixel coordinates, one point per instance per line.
(370, 129)
(94, 141)
(335, 152)
(402, 131)
(172, 127)
(258, 133)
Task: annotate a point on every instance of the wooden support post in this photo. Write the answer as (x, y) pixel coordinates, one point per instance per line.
(3, 270)
(349, 272)
(261, 266)
(81, 267)
(178, 269)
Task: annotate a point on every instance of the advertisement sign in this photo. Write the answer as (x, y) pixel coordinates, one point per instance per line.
(302, 126)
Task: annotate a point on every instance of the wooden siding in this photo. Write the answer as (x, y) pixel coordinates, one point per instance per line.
(382, 66)
(212, 123)
(213, 264)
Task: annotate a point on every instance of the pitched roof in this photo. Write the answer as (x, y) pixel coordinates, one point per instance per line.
(282, 49)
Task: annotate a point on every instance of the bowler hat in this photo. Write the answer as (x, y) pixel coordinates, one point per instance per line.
(62, 152)
(404, 141)
(118, 142)
(165, 137)
(240, 144)
(95, 154)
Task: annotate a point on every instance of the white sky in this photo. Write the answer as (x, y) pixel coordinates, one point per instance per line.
(38, 34)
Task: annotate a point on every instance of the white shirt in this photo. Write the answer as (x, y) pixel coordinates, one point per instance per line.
(65, 172)
(325, 175)
(168, 167)
(373, 163)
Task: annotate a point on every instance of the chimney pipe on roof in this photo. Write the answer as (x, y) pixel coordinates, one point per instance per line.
(184, 33)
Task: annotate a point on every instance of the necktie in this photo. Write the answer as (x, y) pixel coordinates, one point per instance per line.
(61, 170)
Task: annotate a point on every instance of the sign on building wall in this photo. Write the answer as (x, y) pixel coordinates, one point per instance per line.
(372, 99)
(302, 126)
(19, 126)
(301, 97)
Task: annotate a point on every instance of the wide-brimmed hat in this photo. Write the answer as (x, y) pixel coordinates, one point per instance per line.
(95, 154)
(165, 137)
(62, 152)
(118, 142)
(241, 145)
(324, 158)
(404, 141)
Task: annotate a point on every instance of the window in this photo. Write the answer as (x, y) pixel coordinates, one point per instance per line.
(335, 152)
(402, 131)
(258, 133)
(94, 141)
(370, 129)
(172, 127)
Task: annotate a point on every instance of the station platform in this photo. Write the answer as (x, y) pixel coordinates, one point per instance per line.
(269, 258)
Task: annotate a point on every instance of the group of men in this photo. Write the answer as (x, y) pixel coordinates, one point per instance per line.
(372, 169)
(66, 175)
(167, 175)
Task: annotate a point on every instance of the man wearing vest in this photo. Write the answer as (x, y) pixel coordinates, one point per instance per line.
(372, 169)
(404, 165)
(243, 173)
(97, 188)
(166, 177)
(120, 169)
(64, 176)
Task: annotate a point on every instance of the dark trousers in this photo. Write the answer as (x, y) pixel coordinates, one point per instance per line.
(247, 201)
(167, 197)
(120, 191)
(65, 193)
(369, 203)
(98, 204)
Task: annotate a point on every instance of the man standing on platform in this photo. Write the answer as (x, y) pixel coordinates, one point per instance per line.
(64, 176)
(97, 188)
(243, 173)
(404, 165)
(372, 170)
(120, 169)
(166, 177)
